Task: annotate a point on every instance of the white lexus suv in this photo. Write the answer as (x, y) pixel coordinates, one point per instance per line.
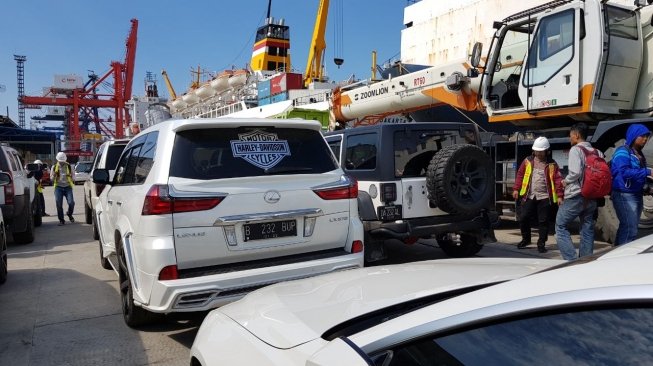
(202, 211)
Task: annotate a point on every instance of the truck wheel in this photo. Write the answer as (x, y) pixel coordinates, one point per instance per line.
(26, 236)
(467, 247)
(460, 179)
(374, 249)
(88, 213)
(133, 315)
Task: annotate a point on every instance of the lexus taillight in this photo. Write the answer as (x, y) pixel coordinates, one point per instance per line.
(356, 246)
(159, 202)
(346, 191)
(169, 273)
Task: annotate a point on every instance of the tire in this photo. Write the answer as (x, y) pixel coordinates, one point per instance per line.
(467, 247)
(104, 262)
(374, 249)
(460, 179)
(3, 260)
(38, 219)
(96, 231)
(134, 316)
(26, 236)
(88, 214)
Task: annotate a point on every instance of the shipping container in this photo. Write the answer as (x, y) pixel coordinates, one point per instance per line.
(69, 81)
(263, 87)
(279, 97)
(285, 81)
(264, 101)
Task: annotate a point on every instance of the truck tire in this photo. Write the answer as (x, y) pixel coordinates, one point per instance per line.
(374, 249)
(467, 247)
(26, 236)
(460, 179)
(104, 262)
(3, 259)
(134, 316)
(96, 231)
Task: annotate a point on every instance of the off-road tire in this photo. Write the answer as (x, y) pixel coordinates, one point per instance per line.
(460, 179)
(467, 247)
(134, 316)
(88, 214)
(26, 236)
(374, 249)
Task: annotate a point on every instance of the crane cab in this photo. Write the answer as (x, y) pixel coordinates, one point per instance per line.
(577, 59)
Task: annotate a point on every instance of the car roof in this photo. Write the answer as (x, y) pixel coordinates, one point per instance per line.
(320, 303)
(609, 280)
(199, 123)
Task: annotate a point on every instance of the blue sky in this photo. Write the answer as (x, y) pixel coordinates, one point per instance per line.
(74, 36)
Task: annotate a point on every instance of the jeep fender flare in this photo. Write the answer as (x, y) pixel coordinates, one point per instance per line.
(366, 207)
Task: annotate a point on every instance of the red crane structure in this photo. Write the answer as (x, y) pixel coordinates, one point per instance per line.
(87, 97)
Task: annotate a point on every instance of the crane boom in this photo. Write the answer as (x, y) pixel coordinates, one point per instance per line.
(314, 65)
(171, 90)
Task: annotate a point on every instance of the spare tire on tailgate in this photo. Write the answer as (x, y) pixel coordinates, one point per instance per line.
(460, 179)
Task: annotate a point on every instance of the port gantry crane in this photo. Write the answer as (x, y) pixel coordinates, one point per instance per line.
(87, 97)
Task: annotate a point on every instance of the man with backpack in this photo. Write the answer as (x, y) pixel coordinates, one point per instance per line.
(583, 160)
(629, 174)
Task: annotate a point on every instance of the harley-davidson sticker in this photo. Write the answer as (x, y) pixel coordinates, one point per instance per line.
(260, 148)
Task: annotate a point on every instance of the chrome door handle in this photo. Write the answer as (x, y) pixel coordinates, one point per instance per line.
(110, 202)
(119, 203)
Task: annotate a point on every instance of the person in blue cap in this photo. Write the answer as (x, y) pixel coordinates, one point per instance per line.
(629, 174)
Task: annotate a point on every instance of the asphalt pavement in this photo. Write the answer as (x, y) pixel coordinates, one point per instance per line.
(60, 307)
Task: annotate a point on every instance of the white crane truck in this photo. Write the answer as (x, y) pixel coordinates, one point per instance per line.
(547, 67)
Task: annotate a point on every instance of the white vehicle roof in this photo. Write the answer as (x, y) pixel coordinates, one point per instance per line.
(291, 313)
(188, 124)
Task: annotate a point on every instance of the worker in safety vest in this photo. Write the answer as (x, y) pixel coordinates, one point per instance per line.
(63, 187)
(538, 185)
(38, 175)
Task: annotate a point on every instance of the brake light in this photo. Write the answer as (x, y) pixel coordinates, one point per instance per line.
(356, 246)
(389, 192)
(339, 193)
(159, 202)
(9, 190)
(168, 273)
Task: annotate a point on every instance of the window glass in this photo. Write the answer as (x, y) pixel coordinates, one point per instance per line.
(592, 337)
(98, 156)
(128, 161)
(334, 144)
(12, 161)
(552, 49)
(622, 22)
(146, 158)
(361, 152)
(113, 154)
(414, 150)
(245, 152)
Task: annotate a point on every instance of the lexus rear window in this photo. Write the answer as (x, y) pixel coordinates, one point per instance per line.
(245, 152)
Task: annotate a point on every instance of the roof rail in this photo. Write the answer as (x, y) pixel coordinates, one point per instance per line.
(537, 9)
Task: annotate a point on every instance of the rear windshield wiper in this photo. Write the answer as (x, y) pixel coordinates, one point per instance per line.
(286, 170)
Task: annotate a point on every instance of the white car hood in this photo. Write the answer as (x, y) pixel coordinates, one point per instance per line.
(291, 313)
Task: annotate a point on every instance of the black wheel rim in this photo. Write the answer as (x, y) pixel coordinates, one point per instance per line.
(468, 180)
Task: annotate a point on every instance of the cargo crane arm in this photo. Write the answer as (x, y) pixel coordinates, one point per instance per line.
(130, 60)
(314, 65)
(171, 90)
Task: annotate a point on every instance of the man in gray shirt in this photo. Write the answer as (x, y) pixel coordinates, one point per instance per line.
(574, 204)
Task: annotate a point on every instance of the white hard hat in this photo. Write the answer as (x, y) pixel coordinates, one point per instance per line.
(61, 156)
(541, 143)
(37, 161)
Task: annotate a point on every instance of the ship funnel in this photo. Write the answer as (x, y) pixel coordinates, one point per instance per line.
(269, 20)
(282, 21)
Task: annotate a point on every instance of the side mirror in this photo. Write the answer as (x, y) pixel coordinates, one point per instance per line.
(5, 178)
(476, 54)
(31, 167)
(101, 176)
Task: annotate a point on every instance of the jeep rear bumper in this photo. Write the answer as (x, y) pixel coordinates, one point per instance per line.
(482, 224)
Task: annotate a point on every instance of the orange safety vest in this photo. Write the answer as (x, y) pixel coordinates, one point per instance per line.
(527, 177)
